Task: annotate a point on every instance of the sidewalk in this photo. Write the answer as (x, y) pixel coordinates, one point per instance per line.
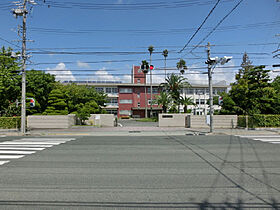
(139, 131)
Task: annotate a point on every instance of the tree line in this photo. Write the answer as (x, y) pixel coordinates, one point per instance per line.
(51, 97)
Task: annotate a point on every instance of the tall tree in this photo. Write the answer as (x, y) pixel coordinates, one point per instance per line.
(174, 85)
(186, 101)
(56, 103)
(181, 66)
(39, 85)
(164, 100)
(10, 80)
(251, 93)
(165, 55)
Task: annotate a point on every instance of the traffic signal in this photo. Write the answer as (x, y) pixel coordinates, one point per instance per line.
(220, 100)
(151, 67)
(145, 68)
(32, 102)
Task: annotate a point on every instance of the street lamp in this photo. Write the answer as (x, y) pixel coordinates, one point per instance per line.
(212, 62)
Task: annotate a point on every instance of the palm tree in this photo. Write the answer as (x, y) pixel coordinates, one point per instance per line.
(173, 86)
(181, 65)
(165, 54)
(185, 101)
(164, 100)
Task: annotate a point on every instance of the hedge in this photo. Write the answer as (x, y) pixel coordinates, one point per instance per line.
(259, 120)
(9, 122)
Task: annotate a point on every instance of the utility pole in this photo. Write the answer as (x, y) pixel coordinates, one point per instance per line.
(212, 62)
(210, 87)
(23, 101)
(22, 12)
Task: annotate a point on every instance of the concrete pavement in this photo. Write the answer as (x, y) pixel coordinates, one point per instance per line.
(156, 172)
(137, 131)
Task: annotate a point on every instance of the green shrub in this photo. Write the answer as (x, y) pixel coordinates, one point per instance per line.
(9, 122)
(259, 120)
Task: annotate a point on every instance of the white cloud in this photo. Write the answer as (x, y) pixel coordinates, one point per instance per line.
(220, 74)
(103, 75)
(273, 74)
(59, 70)
(83, 64)
(119, 1)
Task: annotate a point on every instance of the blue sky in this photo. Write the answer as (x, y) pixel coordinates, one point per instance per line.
(97, 32)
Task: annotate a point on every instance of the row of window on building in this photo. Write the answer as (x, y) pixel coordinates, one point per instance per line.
(188, 91)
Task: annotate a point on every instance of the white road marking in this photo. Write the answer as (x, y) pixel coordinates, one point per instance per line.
(48, 139)
(16, 152)
(274, 136)
(2, 136)
(275, 139)
(19, 148)
(23, 145)
(28, 143)
(22, 148)
(11, 156)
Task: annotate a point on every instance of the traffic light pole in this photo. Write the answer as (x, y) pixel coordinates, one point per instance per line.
(23, 102)
(146, 110)
(151, 101)
(210, 88)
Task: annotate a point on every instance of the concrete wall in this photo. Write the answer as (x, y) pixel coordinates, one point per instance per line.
(50, 121)
(102, 120)
(172, 120)
(219, 121)
(196, 121)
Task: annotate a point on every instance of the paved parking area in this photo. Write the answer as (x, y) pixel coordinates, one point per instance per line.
(136, 172)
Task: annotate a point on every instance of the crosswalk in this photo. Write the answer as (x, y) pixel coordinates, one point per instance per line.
(15, 149)
(273, 139)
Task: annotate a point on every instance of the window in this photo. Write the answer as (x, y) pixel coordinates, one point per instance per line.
(138, 81)
(126, 101)
(112, 102)
(199, 91)
(154, 102)
(190, 91)
(138, 95)
(99, 89)
(202, 101)
(125, 90)
(155, 90)
(125, 112)
(111, 90)
(112, 111)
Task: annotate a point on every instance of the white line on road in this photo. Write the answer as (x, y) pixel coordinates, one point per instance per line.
(21, 148)
(48, 139)
(3, 162)
(22, 145)
(11, 156)
(259, 139)
(276, 136)
(28, 143)
(16, 152)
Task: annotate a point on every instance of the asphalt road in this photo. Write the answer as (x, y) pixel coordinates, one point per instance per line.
(136, 172)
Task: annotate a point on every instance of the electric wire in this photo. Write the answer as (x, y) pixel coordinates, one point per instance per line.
(219, 23)
(200, 26)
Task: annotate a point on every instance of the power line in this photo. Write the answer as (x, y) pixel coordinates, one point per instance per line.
(129, 6)
(9, 42)
(200, 26)
(219, 23)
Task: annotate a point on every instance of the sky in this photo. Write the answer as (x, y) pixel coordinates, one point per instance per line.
(102, 40)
